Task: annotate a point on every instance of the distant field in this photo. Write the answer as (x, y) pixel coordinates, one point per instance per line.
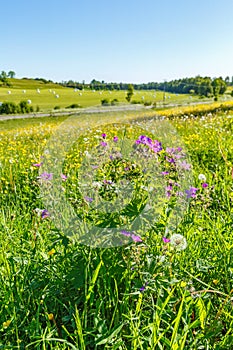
(49, 95)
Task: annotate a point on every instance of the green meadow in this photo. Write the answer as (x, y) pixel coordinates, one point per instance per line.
(47, 96)
(157, 270)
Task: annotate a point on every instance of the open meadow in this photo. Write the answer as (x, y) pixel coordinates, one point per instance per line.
(45, 97)
(115, 229)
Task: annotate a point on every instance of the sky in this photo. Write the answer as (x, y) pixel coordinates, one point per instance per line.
(117, 40)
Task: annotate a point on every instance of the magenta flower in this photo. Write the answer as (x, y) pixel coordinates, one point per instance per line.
(104, 144)
(164, 173)
(166, 240)
(134, 237)
(204, 185)
(115, 138)
(104, 136)
(37, 164)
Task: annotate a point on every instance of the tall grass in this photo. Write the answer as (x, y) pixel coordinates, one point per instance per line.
(59, 294)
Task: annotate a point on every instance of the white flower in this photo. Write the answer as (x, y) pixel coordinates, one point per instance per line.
(178, 241)
(202, 177)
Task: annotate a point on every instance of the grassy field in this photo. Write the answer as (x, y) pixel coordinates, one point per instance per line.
(161, 284)
(51, 95)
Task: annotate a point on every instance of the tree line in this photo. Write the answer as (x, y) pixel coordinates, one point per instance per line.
(203, 86)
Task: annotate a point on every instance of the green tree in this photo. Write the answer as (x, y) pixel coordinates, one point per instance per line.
(11, 74)
(3, 77)
(129, 92)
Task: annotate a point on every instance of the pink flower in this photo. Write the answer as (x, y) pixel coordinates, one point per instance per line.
(64, 177)
(166, 240)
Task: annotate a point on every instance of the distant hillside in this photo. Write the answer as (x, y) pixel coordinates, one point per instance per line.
(27, 83)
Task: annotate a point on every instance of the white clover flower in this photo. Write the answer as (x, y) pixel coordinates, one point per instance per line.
(202, 177)
(178, 241)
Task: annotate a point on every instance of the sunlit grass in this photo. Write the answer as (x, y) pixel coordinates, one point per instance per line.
(60, 294)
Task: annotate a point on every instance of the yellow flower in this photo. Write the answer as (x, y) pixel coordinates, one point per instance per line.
(183, 284)
(6, 324)
(51, 252)
(50, 317)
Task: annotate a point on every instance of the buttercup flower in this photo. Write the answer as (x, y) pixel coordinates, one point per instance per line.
(178, 241)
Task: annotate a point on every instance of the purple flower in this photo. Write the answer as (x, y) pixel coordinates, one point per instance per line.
(104, 136)
(164, 173)
(104, 144)
(115, 138)
(46, 176)
(134, 237)
(37, 164)
(204, 185)
(191, 193)
(143, 288)
(88, 199)
(44, 214)
(155, 145)
(185, 165)
(169, 190)
(170, 160)
(166, 240)
(126, 233)
(64, 177)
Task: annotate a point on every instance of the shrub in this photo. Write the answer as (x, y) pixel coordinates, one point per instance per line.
(74, 105)
(136, 102)
(105, 102)
(148, 103)
(24, 107)
(114, 101)
(9, 108)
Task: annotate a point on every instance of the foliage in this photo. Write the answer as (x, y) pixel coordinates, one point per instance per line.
(13, 108)
(74, 105)
(130, 92)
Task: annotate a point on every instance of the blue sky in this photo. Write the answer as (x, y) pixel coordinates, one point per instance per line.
(118, 40)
